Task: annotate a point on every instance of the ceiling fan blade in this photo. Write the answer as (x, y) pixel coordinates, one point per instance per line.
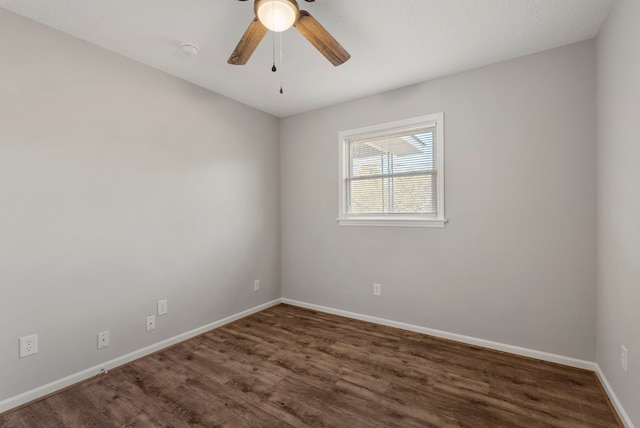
(248, 43)
(321, 39)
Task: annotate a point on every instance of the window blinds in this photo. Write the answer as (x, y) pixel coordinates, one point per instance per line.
(392, 173)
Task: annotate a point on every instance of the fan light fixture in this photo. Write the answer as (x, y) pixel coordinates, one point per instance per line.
(277, 15)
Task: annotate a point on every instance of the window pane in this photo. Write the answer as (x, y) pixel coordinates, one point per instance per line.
(367, 196)
(410, 194)
(423, 159)
(413, 194)
(367, 165)
(409, 151)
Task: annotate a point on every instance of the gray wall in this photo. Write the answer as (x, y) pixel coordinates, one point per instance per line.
(120, 185)
(516, 263)
(619, 201)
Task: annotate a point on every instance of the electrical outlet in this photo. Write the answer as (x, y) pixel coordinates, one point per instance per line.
(256, 285)
(103, 339)
(377, 289)
(623, 358)
(151, 322)
(28, 345)
(162, 307)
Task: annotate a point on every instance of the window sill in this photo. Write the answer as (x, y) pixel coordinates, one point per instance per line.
(391, 222)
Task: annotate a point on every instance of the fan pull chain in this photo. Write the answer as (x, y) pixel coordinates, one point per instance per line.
(273, 39)
(280, 37)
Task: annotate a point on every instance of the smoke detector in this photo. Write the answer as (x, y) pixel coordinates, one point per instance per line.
(189, 49)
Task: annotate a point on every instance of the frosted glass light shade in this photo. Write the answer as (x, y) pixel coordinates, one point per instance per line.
(277, 15)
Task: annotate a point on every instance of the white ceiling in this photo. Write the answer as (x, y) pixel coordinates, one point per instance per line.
(393, 43)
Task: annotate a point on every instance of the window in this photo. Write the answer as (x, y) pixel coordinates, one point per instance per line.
(393, 174)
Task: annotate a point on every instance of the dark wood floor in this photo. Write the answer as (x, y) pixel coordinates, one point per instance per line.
(291, 367)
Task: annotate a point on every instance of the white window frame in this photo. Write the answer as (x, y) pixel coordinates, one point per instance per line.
(402, 220)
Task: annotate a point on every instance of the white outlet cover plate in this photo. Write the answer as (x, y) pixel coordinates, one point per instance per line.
(163, 307)
(377, 289)
(28, 345)
(151, 322)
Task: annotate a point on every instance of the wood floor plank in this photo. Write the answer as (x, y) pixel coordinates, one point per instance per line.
(293, 367)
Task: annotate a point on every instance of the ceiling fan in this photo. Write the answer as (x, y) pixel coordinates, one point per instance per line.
(278, 16)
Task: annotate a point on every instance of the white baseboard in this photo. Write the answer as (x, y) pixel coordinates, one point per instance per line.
(614, 398)
(545, 356)
(44, 390)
